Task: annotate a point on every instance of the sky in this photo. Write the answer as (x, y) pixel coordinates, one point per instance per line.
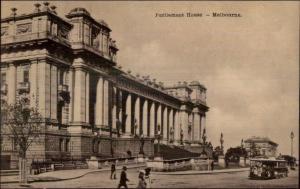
(249, 64)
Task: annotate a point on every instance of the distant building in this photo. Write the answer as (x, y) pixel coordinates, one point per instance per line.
(262, 145)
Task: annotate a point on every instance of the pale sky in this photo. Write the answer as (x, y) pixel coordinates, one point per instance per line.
(250, 65)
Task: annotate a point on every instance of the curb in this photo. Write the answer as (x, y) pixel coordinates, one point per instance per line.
(198, 172)
(70, 178)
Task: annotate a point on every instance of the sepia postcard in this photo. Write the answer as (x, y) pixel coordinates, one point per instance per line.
(149, 94)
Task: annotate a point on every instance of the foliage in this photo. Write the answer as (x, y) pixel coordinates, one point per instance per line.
(234, 154)
(217, 152)
(290, 159)
(22, 123)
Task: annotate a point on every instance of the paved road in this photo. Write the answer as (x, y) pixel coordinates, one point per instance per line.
(221, 180)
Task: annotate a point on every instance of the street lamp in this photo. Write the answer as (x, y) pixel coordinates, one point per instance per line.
(158, 137)
(292, 137)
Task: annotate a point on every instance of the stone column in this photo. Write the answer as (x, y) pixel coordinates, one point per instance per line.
(171, 124)
(165, 124)
(184, 124)
(11, 83)
(202, 124)
(190, 122)
(114, 107)
(159, 115)
(87, 97)
(137, 115)
(44, 88)
(33, 83)
(145, 118)
(119, 105)
(79, 96)
(128, 115)
(53, 89)
(196, 123)
(105, 102)
(176, 127)
(152, 119)
(71, 86)
(99, 103)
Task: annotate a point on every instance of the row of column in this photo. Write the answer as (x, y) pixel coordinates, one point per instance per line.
(136, 115)
(130, 114)
(141, 116)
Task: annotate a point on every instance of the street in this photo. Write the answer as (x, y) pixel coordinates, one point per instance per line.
(221, 180)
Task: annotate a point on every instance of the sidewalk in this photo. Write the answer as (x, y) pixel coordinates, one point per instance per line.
(77, 173)
(194, 172)
(62, 174)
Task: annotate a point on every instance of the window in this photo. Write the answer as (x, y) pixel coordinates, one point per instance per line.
(26, 76)
(67, 145)
(98, 147)
(94, 146)
(15, 144)
(61, 141)
(3, 78)
(61, 77)
(59, 112)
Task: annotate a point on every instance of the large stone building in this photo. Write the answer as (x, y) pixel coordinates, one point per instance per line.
(261, 146)
(67, 69)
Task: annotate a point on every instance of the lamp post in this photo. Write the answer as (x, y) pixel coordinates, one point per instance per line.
(292, 137)
(158, 137)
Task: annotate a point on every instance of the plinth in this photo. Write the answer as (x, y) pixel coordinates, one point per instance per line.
(221, 161)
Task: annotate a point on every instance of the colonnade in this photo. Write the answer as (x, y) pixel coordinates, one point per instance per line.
(113, 106)
(131, 114)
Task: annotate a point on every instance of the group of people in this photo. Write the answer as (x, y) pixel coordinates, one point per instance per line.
(144, 177)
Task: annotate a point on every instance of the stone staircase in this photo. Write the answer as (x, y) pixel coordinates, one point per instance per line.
(174, 152)
(9, 172)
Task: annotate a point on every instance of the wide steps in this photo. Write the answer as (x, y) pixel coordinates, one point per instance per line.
(9, 172)
(174, 152)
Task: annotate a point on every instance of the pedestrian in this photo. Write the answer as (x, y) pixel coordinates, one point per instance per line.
(148, 177)
(212, 165)
(113, 171)
(142, 183)
(123, 178)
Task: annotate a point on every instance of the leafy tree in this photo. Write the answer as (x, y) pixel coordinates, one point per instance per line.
(23, 124)
(234, 154)
(217, 152)
(290, 159)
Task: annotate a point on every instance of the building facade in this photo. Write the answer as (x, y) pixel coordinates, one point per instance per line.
(262, 146)
(67, 69)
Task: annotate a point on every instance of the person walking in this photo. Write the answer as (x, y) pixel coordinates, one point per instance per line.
(148, 177)
(212, 165)
(113, 171)
(123, 178)
(142, 183)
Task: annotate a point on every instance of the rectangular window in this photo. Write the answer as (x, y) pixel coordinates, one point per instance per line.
(15, 144)
(61, 77)
(67, 145)
(61, 141)
(3, 78)
(26, 76)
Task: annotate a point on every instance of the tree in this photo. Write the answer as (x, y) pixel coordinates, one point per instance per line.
(23, 124)
(217, 152)
(234, 154)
